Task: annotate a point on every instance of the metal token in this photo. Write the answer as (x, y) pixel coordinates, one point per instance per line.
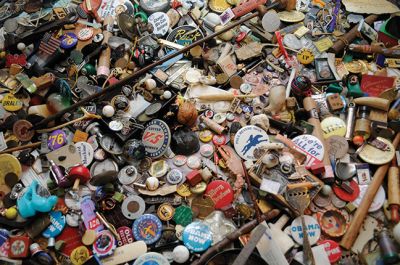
(128, 175)
(22, 129)
(133, 207)
(120, 102)
(151, 7)
(194, 162)
(115, 126)
(338, 146)
(175, 176)
(147, 228)
(153, 109)
(10, 25)
(322, 201)
(179, 160)
(85, 34)
(291, 16)
(165, 211)
(156, 138)
(338, 203)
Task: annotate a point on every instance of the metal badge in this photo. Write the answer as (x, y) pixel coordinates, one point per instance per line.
(128, 175)
(133, 207)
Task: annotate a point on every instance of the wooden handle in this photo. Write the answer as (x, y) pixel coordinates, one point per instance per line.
(219, 97)
(373, 102)
(311, 106)
(394, 185)
(76, 184)
(362, 210)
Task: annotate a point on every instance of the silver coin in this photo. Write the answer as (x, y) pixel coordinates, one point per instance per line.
(10, 25)
(338, 203)
(153, 109)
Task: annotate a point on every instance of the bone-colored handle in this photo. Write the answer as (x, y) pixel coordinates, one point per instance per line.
(373, 102)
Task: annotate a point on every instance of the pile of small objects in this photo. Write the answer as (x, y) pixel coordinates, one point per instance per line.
(217, 132)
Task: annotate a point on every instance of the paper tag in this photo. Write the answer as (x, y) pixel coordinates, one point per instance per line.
(227, 65)
(270, 186)
(363, 174)
(226, 16)
(269, 250)
(319, 253)
(323, 44)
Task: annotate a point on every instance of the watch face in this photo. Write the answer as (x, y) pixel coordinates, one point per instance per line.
(110, 145)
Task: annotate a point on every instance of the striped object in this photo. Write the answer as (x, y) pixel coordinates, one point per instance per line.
(49, 44)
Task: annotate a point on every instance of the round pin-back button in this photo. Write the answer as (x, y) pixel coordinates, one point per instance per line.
(133, 207)
(89, 237)
(68, 40)
(333, 250)
(22, 129)
(312, 226)
(183, 215)
(175, 176)
(206, 150)
(179, 160)
(104, 244)
(160, 22)
(219, 118)
(125, 235)
(128, 175)
(245, 88)
(79, 254)
(165, 211)
(57, 139)
(205, 136)
(247, 139)
(208, 113)
(220, 192)
(115, 126)
(85, 34)
(58, 222)
(151, 258)
(199, 188)
(333, 223)
(197, 237)
(333, 126)
(346, 196)
(183, 190)
(219, 139)
(230, 116)
(194, 162)
(159, 168)
(147, 228)
(338, 203)
(86, 152)
(11, 103)
(72, 219)
(378, 201)
(312, 146)
(156, 138)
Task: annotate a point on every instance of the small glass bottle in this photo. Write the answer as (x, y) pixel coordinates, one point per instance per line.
(42, 257)
(388, 249)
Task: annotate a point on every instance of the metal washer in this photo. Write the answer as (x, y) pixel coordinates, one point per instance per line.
(133, 202)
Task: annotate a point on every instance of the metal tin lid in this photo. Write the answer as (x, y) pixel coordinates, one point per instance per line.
(375, 156)
(133, 207)
(156, 138)
(85, 150)
(247, 139)
(105, 244)
(197, 237)
(151, 258)
(313, 230)
(147, 228)
(333, 223)
(175, 176)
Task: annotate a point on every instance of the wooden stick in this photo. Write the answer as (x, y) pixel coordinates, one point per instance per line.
(86, 116)
(373, 102)
(22, 147)
(347, 38)
(219, 97)
(311, 106)
(129, 79)
(362, 210)
(233, 236)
